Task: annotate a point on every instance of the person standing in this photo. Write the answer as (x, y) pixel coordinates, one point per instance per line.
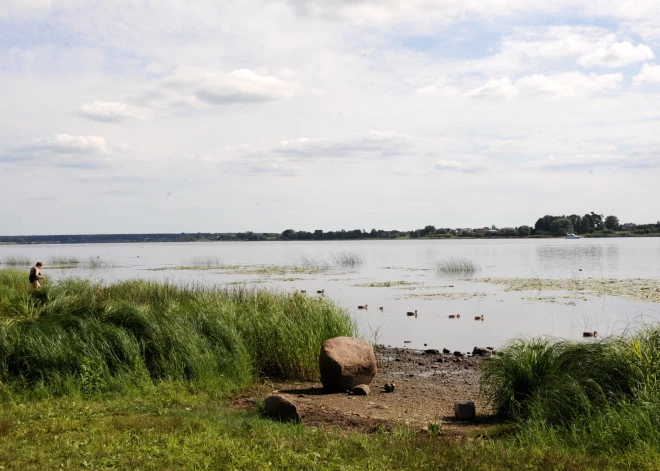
(35, 275)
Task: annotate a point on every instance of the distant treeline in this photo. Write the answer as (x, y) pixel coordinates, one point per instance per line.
(591, 224)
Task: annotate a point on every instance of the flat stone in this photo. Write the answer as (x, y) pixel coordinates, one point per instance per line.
(360, 390)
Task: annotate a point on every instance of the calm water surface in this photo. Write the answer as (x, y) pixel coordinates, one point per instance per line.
(507, 314)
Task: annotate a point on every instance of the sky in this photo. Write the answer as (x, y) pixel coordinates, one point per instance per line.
(132, 116)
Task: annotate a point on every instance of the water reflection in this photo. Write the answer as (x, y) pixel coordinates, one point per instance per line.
(566, 259)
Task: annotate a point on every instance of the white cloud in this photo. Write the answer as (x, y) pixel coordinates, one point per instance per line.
(111, 112)
(569, 83)
(458, 166)
(197, 87)
(648, 74)
(592, 161)
(617, 55)
(61, 150)
(369, 144)
(442, 91)
(494, 88)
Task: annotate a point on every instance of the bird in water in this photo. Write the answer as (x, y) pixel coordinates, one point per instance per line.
(590, 334)
(410, 313)
(362, 307)
(454, 316)
(321, 291)
(479, 318)
(381, 308)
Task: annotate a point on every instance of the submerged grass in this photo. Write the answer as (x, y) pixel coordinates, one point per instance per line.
(347, 259)
(63, 261)
(456, 266)
(205, 262)
(598, 396)
(17, 261)
(77, 335)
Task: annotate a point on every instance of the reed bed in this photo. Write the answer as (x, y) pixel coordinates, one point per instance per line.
(205, 262)
(78, 335)
(347, 259)
(312, 263)
(17, 261)
(63, 261)
(600, 396)
(457, 266)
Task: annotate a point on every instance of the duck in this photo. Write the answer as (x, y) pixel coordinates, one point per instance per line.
(590, 334)
(454, 316)
(409, 313)
(362, 307)
(320, 291)
(479, 318)
(381, 308)
(303, 291)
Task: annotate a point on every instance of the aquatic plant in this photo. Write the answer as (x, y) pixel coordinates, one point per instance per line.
(63, 261)
(456, 266)
(204, 262)
(347, 259)
(311, 263)
(17, 261)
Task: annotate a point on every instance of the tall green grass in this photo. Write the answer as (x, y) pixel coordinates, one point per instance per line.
(77, 335)
(599, 396)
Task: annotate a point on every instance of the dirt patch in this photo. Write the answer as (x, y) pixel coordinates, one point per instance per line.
(427, 388)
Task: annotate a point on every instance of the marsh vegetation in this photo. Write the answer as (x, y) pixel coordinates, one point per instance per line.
(456, 266)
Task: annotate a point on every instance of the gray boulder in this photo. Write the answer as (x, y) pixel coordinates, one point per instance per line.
(346, 362)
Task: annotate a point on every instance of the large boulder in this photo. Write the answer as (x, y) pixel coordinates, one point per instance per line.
(346, 362)
(280, 408)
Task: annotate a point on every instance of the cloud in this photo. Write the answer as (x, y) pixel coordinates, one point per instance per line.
(494, 88)
(568, 84)
(377, 144)
(590, 161)
(434, 90)
(648, 74)
(617, 55)
(61, 150)
(260, 165)
(458, 166)
(199, 87)
(111, 112)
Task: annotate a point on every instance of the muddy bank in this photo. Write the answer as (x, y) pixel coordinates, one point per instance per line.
(427, 385)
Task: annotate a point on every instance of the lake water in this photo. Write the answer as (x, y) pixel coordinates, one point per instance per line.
(410, 266)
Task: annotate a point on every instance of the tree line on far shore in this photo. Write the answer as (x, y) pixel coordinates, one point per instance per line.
(591, 224)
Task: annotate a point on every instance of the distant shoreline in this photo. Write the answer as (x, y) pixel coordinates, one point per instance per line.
(149, 238)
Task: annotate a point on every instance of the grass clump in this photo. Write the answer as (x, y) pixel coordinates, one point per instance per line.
(205, 262)
(78, 335)
(347, 259)
(17, 261)
(63, 261)
(456, 266)
(305, 262)
(599, 396)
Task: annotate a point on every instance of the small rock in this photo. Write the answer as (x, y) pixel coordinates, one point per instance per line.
(360, 390)
(483, 352)
(446, 351)
(407, 341)
(465, 410)
(431, 351)
(389, 387)
(280, 408)
(440, 360)
(459, 354)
